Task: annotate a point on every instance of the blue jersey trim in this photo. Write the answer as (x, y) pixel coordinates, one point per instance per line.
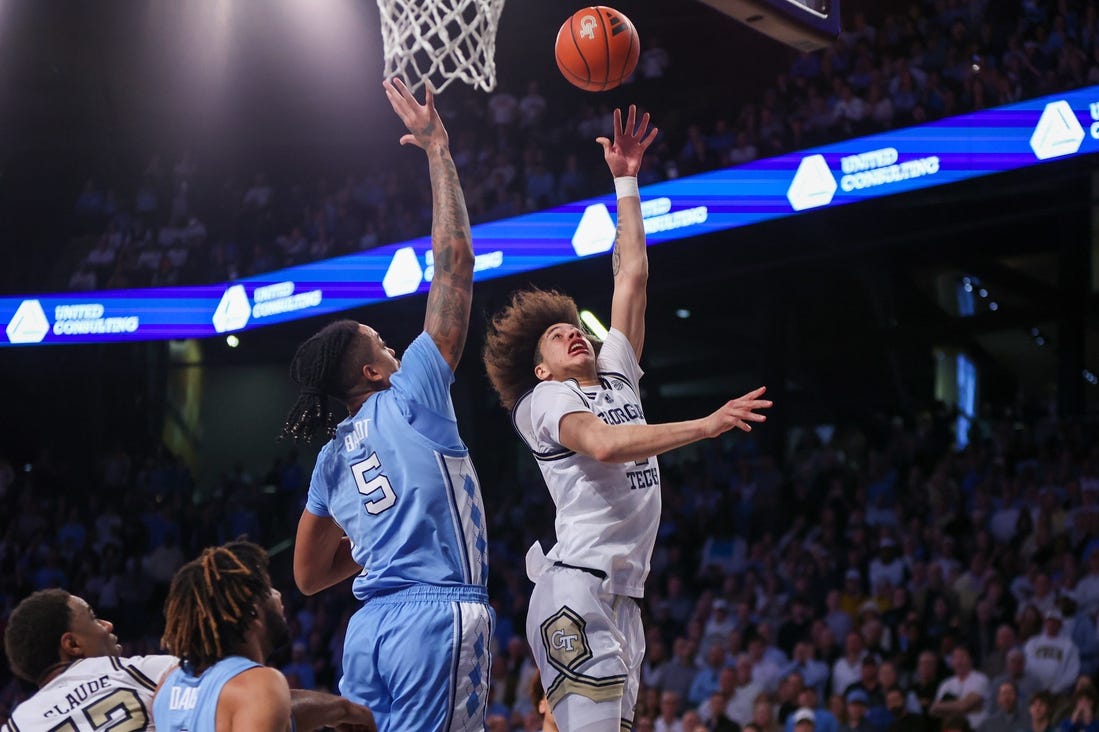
(455, 517)
(455, 656)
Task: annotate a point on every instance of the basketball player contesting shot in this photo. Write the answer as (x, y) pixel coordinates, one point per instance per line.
(578, 410)
(394, 498)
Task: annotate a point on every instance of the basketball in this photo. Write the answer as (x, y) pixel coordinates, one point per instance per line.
(597, 48)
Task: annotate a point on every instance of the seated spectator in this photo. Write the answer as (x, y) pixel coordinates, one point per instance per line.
(678, 673)
(1041, 712)
(1007, 716)
(743, 151)
(903, 719)
(822, 719)
(668, 720)
(868, 682)
(763, 714)
(813, 672)
(995, 661)
(1016, 672)
(83, 278)
(532, 107)
(965, 692)
(1082, 718)
(102, 256)
(1082, 630)
(739, 708)
(856, 707)
(706, 680)
(653, 63)
(1053, 658)
(847, 670)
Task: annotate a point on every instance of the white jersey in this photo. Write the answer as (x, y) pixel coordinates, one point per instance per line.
(607, 513)
(95, 694)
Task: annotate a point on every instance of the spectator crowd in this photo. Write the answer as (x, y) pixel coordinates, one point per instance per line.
(879, 580)
(518, 151)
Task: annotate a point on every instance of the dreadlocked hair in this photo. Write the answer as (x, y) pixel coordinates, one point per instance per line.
(511, 343)
(211, 604)
(33, 637)
(328, 363)
(250, 554)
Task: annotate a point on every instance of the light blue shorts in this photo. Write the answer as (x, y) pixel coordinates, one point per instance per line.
(419, 658)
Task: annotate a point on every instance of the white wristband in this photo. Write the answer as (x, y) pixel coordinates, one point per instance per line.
(626, 186)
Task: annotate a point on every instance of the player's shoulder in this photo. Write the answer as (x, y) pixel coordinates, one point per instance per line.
(424, 348)
(616, 355)
(259, 676)
(551, 387)
(149, 671)
(254, 683)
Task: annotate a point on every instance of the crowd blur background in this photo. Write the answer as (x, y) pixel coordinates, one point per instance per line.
(878, 570)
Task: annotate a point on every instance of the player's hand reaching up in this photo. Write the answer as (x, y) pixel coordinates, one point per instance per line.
(624, 155)
(737, 413)
(422, 120)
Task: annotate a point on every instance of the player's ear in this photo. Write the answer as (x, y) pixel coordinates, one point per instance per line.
(541, 372)
(70, 647)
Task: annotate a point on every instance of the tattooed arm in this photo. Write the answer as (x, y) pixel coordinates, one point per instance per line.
(448, 299)
(629, 260)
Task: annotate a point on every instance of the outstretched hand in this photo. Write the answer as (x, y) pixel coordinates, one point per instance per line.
(422, 120)
(737, 413)
(624, 155)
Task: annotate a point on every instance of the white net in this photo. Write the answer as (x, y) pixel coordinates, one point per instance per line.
(440, 41)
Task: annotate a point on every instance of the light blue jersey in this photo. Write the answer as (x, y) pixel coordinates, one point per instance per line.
(187, 703)
(398, 480)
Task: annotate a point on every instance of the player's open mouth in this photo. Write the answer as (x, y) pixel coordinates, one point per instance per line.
(578, 348)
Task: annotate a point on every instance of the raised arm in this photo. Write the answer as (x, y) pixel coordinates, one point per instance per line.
(629, 260)
(585, 433)
(448, 300)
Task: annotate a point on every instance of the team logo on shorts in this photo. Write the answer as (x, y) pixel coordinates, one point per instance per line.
(565, 640)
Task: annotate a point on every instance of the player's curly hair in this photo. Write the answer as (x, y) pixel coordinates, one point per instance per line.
(210, 606)
(328, 364)
(511, 343)
(34, 632)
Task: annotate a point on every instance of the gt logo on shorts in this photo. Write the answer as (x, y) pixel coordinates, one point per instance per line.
(565, 641)
(562, 641)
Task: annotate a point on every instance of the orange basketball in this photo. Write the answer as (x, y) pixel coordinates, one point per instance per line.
(597, 48)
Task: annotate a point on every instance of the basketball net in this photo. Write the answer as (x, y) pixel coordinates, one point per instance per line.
(440, 41)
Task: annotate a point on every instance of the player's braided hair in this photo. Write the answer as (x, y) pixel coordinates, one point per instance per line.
(34, 631)
(511, 344)
(211, 603)
(328, 364)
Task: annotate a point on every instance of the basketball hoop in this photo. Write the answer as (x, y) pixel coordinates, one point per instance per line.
(440, 41)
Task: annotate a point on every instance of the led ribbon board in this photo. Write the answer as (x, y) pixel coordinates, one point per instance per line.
(941, 152)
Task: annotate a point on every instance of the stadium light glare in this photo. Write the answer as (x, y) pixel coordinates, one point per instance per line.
(594, 325)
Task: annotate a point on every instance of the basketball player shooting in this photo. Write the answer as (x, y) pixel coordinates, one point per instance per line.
(577, 408)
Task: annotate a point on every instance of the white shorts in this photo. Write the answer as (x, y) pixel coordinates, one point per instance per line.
(585, 640)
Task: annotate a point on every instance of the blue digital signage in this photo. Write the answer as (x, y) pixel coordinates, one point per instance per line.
(938, 153)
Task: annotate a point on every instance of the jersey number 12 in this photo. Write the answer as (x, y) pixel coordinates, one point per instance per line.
(373, 485)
